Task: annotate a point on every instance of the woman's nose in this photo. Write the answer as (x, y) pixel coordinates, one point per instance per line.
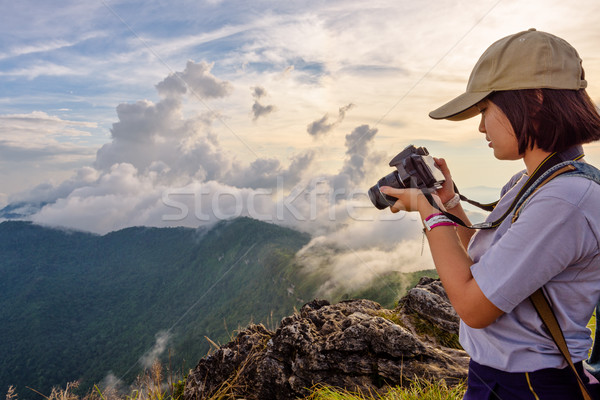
(482, 124)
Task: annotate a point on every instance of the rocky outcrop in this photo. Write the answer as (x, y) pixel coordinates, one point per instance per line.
(354, 344)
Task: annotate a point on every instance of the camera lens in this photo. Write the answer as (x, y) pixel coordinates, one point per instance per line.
(381, 200)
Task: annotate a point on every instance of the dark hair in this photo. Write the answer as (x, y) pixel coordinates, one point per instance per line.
(552, 119)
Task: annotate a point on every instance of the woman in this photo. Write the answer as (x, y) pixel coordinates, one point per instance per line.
(530, 91)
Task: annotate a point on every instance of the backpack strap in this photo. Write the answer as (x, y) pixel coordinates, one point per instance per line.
(522, 201)
(538, 299)
(543, 308)
(592, 364)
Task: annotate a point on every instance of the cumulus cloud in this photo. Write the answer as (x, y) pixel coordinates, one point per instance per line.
(322, 126)
(259, 110)
(353, 170)
(158, 158)
(197, 79)
(150, 135)
(258, 92)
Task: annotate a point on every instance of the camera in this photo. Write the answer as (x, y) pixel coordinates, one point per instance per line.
(415, 168)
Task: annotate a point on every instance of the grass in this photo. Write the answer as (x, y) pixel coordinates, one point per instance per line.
(420, 389)
(154, 385)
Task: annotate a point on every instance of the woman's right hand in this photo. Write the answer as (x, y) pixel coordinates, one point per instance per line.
(446, 193)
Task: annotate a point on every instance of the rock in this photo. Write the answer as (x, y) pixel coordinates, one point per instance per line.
(354, 344)
(429, 304)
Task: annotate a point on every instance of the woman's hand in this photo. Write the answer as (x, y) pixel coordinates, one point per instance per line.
(408, 199)
(446, 193)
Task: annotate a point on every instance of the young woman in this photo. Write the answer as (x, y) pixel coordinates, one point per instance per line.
(530, 91)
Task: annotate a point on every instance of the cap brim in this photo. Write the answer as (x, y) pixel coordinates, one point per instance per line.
(460, 108)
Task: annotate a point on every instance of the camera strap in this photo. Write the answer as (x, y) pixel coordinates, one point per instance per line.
(553, 159)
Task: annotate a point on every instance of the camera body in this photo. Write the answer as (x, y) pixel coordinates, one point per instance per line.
(415, 168)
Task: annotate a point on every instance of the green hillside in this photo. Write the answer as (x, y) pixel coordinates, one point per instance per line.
(78, 306)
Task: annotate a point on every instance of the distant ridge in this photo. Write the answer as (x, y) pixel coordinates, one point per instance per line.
(21, 209)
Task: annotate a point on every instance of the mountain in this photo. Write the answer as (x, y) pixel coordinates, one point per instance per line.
(79, 306)
(21, 209)
(74, 305)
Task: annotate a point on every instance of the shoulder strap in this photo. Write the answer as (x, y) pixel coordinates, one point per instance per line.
(539, 300)
(542, 306)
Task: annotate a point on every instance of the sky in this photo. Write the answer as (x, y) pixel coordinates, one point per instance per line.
(183, 113)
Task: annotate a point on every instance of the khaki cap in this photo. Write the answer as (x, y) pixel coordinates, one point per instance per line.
(526, 60)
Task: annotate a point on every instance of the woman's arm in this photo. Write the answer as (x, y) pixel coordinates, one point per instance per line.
(451, 261)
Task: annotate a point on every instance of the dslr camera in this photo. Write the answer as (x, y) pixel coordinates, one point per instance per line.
(415, 168)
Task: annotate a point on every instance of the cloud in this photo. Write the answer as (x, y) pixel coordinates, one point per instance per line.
(269, 172)
(357, 145)
(258, 92)
(38, 125)
(19, 152)
(157, 156)
(39, 137)
(197, 79)
(156, 137)
(43, 69)
(258, 110)
(160, 345)
(346, 267)
(47, 193)
(166, 167)
(162, 169)
(321, 126)
(111, 386)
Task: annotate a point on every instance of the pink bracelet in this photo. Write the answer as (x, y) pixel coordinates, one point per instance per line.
(435, 220)
(449, 223)
(433, 215)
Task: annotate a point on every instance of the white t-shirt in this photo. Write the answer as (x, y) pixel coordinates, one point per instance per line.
(554, 243)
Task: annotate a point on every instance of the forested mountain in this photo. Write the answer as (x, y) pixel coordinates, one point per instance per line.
(78, 306)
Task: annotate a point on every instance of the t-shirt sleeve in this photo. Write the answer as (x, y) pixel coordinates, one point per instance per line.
(550, 234)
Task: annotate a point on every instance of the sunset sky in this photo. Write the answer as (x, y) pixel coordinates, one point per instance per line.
(120, 113)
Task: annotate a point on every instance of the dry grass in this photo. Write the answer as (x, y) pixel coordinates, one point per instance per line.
(154, 384)
(419, 389)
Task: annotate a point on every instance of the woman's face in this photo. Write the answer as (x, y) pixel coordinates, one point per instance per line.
(498, 131)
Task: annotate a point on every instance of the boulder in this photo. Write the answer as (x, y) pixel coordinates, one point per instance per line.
(354, 344)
